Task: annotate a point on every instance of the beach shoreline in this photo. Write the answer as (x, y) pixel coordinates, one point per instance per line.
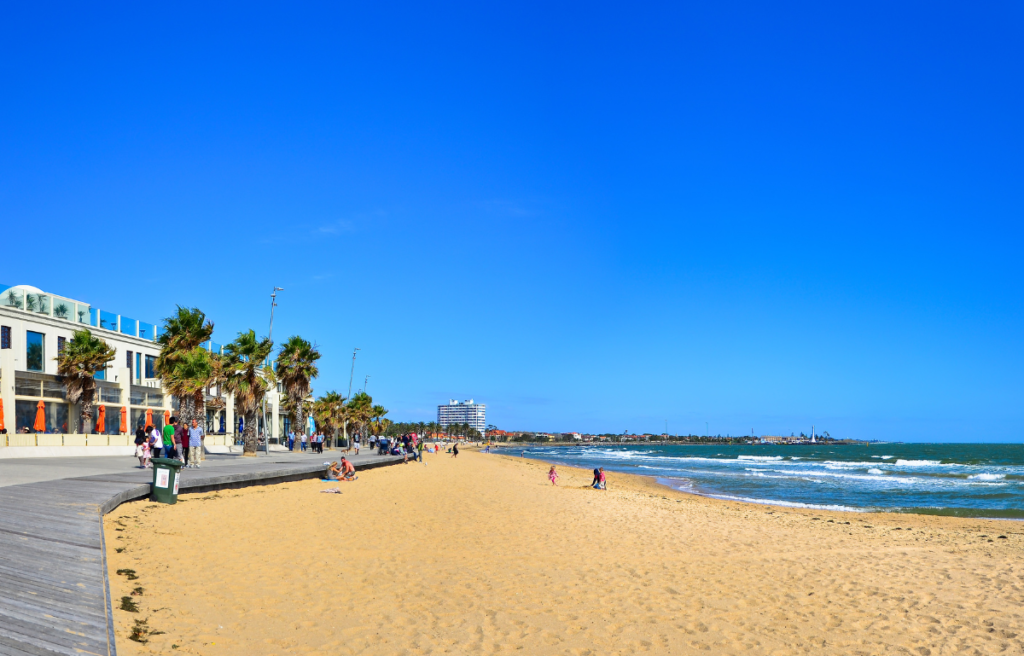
(481, 554)
(983, 481)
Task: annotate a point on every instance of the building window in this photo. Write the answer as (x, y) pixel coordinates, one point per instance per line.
(129, 365)
(5, 337)
(150, 366)
(138, 366)
(60, 346)
(33, 351)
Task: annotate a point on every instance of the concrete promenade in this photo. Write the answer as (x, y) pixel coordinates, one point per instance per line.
(54, 594)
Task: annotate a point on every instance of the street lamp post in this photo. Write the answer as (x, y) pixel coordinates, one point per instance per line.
(270, 336)
(350, 375)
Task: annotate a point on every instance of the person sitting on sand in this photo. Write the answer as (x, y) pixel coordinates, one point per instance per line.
(552, 475)
(334, 472)
(348, 470)
(604, 482)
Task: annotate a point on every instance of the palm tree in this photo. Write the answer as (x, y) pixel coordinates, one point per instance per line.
(328, 411)
(296, 368)
(77, 364)
(377, 413)
(360, 409)
(249, 378)
(187, 379)
(183, 333)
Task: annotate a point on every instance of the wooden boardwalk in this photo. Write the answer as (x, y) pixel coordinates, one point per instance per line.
(54, 594)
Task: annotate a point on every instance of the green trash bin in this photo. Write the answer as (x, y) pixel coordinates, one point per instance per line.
(165, 480)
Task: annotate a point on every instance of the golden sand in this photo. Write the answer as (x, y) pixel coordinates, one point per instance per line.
(482, 555)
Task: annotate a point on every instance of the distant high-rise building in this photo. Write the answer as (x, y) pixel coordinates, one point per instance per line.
(463, 412)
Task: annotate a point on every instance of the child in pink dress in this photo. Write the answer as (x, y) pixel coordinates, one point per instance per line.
(146, 454)
(553, 475)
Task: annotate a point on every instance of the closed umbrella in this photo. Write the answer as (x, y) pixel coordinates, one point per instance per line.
(124, 419)
(2, 415)
(101, 420)
(149, 416)
(40, 425)
(167, 417)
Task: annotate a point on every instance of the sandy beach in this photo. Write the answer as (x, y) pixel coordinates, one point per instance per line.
(482, 555)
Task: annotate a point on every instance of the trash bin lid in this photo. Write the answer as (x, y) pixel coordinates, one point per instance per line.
(168, 462)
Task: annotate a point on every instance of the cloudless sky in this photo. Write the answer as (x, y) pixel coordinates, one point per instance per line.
(592, 216)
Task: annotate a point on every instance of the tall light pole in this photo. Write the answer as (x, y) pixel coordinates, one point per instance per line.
(350, 375)
(270, 336)
(353, 372)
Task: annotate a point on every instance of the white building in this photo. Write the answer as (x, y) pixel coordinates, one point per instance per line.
(34, 326)
(463, 412)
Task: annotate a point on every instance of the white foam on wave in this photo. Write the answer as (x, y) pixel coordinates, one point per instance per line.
(987, 477)
(884, 457)
(760, 458)
(917, 463)
(844, 464)
(876, 472)
(787, 504)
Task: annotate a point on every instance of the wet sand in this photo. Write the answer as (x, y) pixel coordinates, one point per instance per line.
(482, 555)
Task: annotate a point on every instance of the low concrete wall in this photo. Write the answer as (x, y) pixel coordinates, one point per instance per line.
(64, 451)
(65, 440)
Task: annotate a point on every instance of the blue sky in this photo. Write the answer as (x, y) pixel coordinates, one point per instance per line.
(592, 217)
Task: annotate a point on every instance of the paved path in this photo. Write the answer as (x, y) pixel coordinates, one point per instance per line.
(54, 595)
(17, 471)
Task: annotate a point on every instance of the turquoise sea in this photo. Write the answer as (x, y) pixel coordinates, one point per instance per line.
(968, 480)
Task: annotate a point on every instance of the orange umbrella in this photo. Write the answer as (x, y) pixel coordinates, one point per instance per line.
(2, 414)
(40, 425)
(167, 417)
(149, 416)
(124, 419)
(101, 420)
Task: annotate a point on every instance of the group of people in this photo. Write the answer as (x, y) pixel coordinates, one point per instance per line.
(177, 440)
(406, 445)
(599, 482)
(314, 442)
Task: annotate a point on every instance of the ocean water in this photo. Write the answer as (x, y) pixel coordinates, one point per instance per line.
(968, 480)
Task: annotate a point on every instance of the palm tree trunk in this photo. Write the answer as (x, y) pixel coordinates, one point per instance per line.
(85, 413)
(199, 409)
(249, 435)
(300, 417)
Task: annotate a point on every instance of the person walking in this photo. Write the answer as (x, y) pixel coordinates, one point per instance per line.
(155, 441)
(168, 436)
(553, 475)
(181, 441)
(195, 443)
(291, 440)
(303, 438)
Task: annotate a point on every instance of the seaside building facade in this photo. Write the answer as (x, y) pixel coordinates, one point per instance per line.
(463, 412)
(35, 325)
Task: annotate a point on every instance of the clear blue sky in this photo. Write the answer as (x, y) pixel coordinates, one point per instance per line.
(591, 217)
